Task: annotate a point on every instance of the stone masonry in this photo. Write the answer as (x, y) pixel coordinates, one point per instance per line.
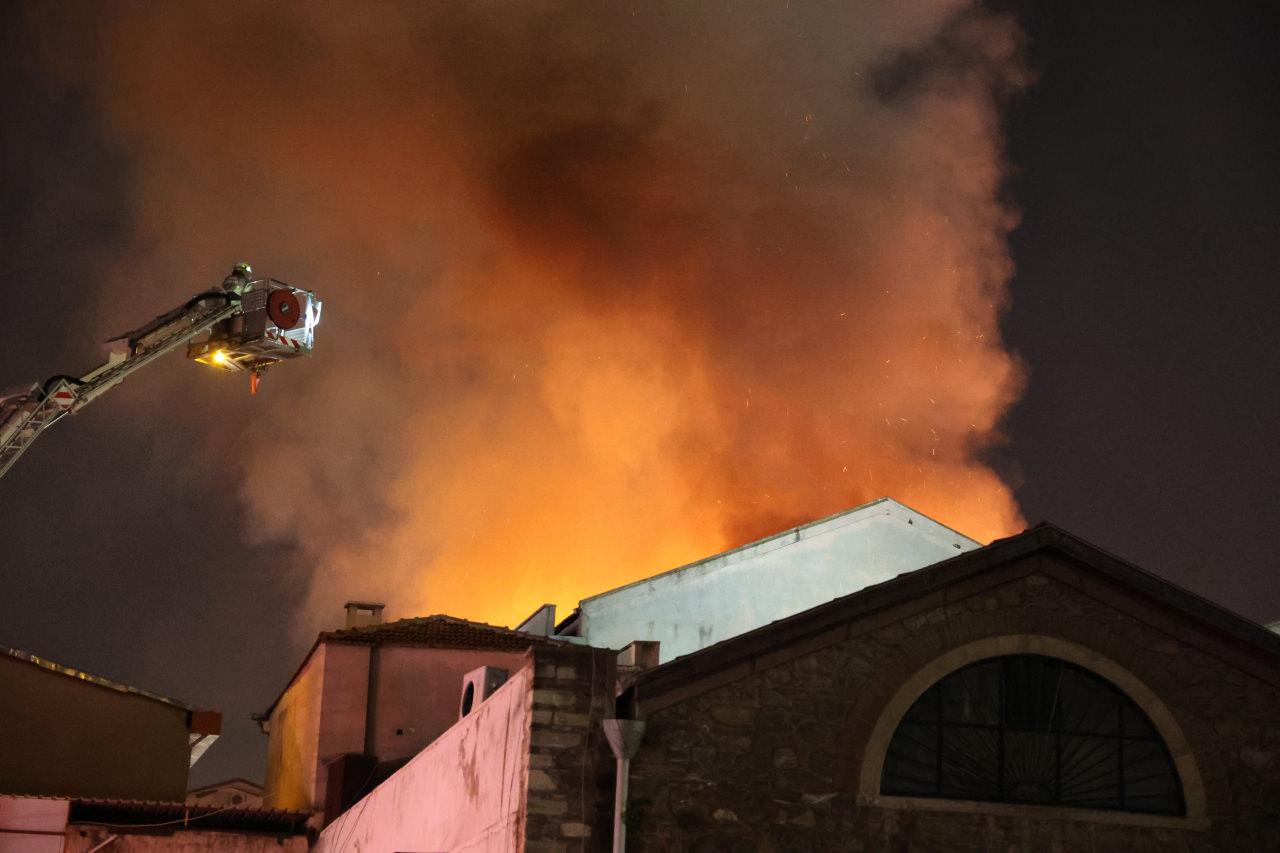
(769, 759)
(571, 768)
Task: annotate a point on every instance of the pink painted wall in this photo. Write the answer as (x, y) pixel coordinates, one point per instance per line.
(346, 695)
(322, 714)
(32, 824)
(418, 691)
(39, 825)
(464, 792)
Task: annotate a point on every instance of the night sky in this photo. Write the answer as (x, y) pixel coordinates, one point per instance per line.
(1143, 309)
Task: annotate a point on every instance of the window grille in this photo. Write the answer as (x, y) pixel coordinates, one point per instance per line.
(1036, 730)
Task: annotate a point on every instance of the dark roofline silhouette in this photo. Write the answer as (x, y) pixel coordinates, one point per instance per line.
(719, 657)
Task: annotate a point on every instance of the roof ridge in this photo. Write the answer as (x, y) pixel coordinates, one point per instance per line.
(408, 621)
(793, 531)
(697, 664)
(224, 782)
(90, 678)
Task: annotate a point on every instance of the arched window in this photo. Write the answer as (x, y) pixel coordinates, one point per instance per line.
(1036, 730)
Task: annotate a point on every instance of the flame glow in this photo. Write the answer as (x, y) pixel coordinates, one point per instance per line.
(610, 287)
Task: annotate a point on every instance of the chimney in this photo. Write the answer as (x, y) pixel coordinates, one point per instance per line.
(639, 654)
(362, 613)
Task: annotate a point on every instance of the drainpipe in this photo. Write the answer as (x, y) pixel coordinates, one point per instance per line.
(624, 738)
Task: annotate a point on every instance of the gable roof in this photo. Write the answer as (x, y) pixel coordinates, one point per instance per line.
(437, 632)
(740, 650)
(234, 782)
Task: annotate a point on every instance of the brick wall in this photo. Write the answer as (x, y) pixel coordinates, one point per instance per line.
(571, 768)
(772, 760)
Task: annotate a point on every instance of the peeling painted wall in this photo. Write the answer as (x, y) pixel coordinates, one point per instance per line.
(464, 792)
(703, 603)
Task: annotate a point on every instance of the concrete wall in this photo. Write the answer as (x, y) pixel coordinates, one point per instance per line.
(418, 690)
(319, 717)
(464, 792)
(773, 759)
(61, 735)
(528, 770)
(705, 602)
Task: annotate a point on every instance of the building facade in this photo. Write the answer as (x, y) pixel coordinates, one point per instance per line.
(80, 825)
(528, 769)
(228, 792)
(1037, 694)
(698, 605)
(1033, 694)
(368, 698)
(64, 732)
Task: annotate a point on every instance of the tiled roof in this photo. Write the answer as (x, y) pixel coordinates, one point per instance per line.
(148, 814)
(438, 631)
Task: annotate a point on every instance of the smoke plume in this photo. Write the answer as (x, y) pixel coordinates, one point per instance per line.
(609, 287)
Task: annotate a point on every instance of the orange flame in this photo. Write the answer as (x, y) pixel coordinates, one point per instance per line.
(607, 290)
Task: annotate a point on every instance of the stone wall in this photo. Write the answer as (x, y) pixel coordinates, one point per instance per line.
(772, 760)
(571, 768)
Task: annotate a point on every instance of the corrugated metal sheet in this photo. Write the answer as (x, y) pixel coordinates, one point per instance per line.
(142, 814)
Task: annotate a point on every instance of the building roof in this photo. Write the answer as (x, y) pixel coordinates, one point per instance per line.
(80, 675)
(437, 632)
(148, 814)
(879, 506)
(237, 781)
(741, 650)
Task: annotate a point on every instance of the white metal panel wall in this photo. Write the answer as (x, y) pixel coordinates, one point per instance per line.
(703, 603)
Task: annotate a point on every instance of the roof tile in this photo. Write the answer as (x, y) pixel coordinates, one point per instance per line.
(437, 631)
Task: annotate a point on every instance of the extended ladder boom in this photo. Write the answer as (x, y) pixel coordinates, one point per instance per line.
(24, 416)
(230, 344)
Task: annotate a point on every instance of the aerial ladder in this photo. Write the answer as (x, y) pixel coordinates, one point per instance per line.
(247, 325)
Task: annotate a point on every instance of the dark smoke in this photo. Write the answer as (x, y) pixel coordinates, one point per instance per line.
(607, 287)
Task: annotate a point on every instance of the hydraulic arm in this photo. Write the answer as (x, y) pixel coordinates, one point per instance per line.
(248, 325)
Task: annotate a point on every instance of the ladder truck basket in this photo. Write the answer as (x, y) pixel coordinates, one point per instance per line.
(276, 322)
(247, 325)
